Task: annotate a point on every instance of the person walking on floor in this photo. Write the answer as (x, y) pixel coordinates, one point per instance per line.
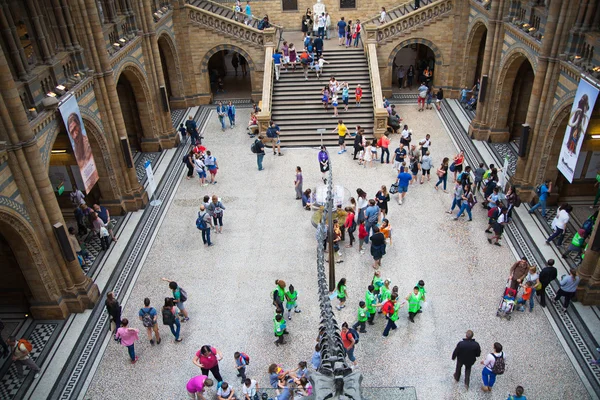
(231, 114)
(402, 181)
(259, 146)
(113, 308)
(205, 224)
(371, 304)
(547, 275)
(542, 192)
(493, 365)
(215, 209)
(149, 318)
(241, 362)
(188, 160)
(21, 356)
(414, 300)
(518, 272)
(442, 174)
(221, 112)
(179, 298)
(568, 288)
(207, 359)
(169, 316)
(363, 317)
(393, 316)
(377, 247)
(277, 57)
(560, 224)
(298, 183)
(128, 338)
(349, 342)
(273, 133)
(466, 353)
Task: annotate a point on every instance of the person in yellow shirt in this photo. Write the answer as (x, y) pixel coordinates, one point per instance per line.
(341, 131)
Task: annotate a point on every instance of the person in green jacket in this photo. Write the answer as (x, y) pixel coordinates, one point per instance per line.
(291, 297)
(279, 295)
(363, 316)
(391, 319)
(371, 302)
(576, 243)
(279, 329)
(342, 293)
(414, 303)
(385, 292)
(421, 286)
(377, 283)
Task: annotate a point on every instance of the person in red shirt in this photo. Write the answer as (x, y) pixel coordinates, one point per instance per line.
(362, 235)
(207, 359)
(349, 342)
(358, 94)
(458, 163)
(350, 224)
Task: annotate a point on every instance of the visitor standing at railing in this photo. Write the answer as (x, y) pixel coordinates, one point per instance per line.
(383, 16)
(417, 4)
(356, 35)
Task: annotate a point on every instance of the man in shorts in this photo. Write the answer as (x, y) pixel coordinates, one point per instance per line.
(273, 137)
(341, 131)
(399, 155)
(149, 318)
(403, 180)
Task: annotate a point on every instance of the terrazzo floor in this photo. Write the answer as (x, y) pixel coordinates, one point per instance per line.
(268, 236)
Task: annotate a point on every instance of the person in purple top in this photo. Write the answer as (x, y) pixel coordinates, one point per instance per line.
(324, 162)
(403, 180)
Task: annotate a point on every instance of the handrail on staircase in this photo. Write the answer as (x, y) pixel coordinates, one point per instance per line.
(240, 17)
(264, 116)
(380, 114)
(402, 8)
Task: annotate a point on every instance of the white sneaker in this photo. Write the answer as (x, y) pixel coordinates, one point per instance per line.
(362, 252)
(400, 201)
(339, 253)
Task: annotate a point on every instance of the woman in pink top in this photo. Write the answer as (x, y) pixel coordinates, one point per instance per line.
(128, 337)
(195, 386)
(207, 359)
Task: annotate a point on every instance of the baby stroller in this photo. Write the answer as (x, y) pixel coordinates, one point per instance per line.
(472, 104)
(507, 304)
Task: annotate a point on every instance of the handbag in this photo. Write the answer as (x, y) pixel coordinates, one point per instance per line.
(394, 188)
(538, 286)
(440, 173)
(452, 167)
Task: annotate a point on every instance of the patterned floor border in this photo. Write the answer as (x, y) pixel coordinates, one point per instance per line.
(579, 339)
(76, 371)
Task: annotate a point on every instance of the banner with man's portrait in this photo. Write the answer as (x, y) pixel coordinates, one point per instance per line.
(80, 143)
(581, 112)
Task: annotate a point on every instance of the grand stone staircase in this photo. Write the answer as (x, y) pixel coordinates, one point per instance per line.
(297, 106)
(226, 11)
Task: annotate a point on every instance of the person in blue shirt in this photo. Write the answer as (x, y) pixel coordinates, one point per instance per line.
(149, 318)
(248, 10)
(371, 217)
(403, 180)
(518, 394)
(231, 114)
(316, 357)
(543, 193)
(277, 60)
(341, 31)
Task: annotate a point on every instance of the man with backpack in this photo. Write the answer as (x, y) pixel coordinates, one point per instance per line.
(204, 223)
(305, 60)
(258, 148)
(149, 318)
(21, 356)
(349, 338)
(543, 191)
(192, 130)
(179, 298)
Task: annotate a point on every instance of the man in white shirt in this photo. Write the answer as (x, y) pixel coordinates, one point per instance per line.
(560, 224)
(249, 389)
(321, 23)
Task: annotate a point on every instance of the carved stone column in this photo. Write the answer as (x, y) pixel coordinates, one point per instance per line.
(13, 47)
(39, 32)
(62, 25)
(13, 30)
(79, 59)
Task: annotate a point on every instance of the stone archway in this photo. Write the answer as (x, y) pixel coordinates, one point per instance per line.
(137, 107)
(426, 53)
(217, 61)
(23, 245)
(170, 65)
(474, 50)
(513, 92)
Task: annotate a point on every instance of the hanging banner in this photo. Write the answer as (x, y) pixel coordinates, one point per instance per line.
(581, 112)
(80, 143)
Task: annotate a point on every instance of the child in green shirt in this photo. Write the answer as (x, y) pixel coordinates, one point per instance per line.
(342, 292)
(363, 316)
(279, 329)
(414, 303)
(291, 297)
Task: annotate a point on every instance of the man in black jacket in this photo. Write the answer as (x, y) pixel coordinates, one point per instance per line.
(465, 354)
(547, 275)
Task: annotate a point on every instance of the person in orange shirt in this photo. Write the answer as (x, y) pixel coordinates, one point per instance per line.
(525, 297)
(358, 94)
(384, 143)
(386, 229)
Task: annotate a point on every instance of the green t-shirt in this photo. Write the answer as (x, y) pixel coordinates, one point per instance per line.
(280, 293)
(342, 292)
(278, 327)
(386, 294)
(177, 294)
(377, 283)
(421, 289)
(291, 297)
(413, 302)
(370, 301)
(362, 315)
(394, 316)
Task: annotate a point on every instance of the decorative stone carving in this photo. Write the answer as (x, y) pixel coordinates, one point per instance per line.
(414, 19)
(227, 26)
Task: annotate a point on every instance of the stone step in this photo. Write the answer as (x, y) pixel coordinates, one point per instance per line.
(317, 109)
(329, 122)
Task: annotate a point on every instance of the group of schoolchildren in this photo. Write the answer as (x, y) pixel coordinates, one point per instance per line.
(290, 297)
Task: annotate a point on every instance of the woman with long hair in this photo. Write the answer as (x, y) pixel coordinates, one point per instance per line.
(442, 173)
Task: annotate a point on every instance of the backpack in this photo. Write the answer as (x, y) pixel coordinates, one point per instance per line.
(182, 294)
(517, 201)
(254, 147)
(538, 190)
(452, 167)
(499, 365)
(354, 334)
(588, 226)
(493, 213)
(388, 307)
(25, 343)
(245, 357)
(422, 94)
(185, 159)
(168, 317)
(147, 319)
(200, 222)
